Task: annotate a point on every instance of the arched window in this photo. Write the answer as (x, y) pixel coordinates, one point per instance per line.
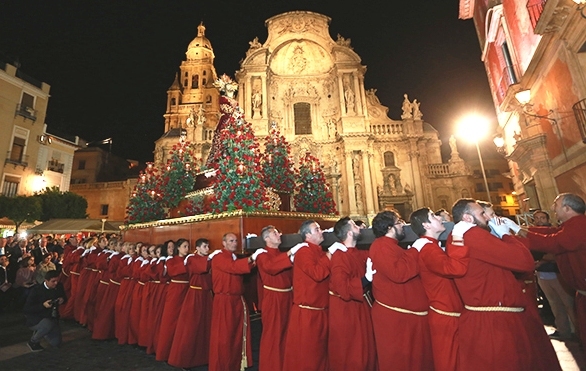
(204, 81)
(208, 99)
(302, 113)
(389, 159)
(173, 101)
(195, 81)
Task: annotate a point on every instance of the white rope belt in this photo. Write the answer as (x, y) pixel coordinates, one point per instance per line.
(495, 309)
(196, 287)
(308, 307)
(401, 310)
(443, 312)
(528, 282)
(142, 283)
(581, 292)
(288, 289)
(333, 293)
(105, 282)
(175, 281)
(76, 273)
(114, 282)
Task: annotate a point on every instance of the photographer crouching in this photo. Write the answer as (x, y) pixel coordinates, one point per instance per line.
(42, 311)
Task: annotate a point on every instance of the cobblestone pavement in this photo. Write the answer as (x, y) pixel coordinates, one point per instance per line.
(80, 352)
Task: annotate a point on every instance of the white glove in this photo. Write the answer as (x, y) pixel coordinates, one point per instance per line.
(419, 243)
(369, 271)
(498, 227)
(296, 248)
(511, 224)
(187, 257)
(461, 227)
(213, 253)
(337, 246)
(257, 253)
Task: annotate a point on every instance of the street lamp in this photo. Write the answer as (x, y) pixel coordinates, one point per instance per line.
(474, 128)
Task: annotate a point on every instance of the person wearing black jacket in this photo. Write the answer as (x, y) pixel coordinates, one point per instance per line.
(42, 311)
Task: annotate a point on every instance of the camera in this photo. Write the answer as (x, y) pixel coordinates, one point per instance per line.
(54, 310)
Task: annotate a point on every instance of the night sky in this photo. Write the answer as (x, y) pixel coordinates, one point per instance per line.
(110, 63)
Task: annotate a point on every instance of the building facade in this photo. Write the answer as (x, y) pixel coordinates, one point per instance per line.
(534, 53)
(31, 159)
(312, 88)
(105, 180)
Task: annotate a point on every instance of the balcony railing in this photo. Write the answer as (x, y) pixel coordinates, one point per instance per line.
(580, 113)
(55, 166)
(387, 129)
(535, 9)
(26, 112)
(508, 78)
(14, 159)
(438, 169)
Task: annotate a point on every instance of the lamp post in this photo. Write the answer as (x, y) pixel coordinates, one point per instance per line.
(474, 128)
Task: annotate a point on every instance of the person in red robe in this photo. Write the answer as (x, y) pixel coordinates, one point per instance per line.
(122, 304)
(138, 267)
(400, 310)
(188, 351)
(307, 331)
(230, 347)
(544, 356)
(68, 249)
(568, 244)
(494, 333)
(276, 277)
(178, 287)
(158, 304)
(351, 336)
(437, 268)
(103, 282)
(104, 321)
(74, 273)
(145, 300)
(82, 285)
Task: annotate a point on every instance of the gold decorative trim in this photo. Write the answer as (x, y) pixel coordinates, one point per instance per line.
(230, 214)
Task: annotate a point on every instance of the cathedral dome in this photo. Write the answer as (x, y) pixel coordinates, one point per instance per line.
(200, 47)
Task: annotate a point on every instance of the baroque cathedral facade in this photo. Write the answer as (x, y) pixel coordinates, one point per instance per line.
(312, 88)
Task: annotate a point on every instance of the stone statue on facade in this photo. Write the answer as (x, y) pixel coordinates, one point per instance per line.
(191, 118)
(201, 118)
(343, 42)
(407, 108)
(257, 104)
(417, 115)
(350, 99)
(453, 145)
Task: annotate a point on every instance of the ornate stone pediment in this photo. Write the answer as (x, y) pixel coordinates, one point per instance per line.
(301, 58)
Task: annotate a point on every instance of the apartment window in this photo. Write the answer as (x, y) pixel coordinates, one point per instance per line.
(81, 165)
(17, 152)
(27, 100)
(103, 209)
(195, 81)
(480, 187)
(10, 186)
(302, 113)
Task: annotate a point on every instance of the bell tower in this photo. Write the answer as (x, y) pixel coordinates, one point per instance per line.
(192, 100)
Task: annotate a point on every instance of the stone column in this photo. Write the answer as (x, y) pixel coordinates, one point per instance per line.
(350, 185)
(368, 184)
(417, 187)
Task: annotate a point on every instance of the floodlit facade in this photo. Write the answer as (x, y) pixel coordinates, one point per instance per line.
(30, 158)
(312, 88)
(534, 53)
